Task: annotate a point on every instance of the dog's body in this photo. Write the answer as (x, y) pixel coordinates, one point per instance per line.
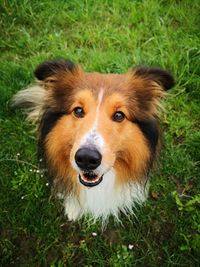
(98, 133)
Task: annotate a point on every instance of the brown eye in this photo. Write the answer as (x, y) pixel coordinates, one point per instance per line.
(79, 112)
(118, 116)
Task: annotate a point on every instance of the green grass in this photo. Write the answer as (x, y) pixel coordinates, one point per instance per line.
(105, 36)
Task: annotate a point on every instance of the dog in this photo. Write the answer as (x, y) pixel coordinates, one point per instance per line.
(99, 134)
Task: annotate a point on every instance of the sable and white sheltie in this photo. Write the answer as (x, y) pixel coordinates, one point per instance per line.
(98, 133)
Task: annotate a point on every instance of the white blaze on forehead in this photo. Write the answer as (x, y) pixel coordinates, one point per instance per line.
(92, 137)
(100, 97)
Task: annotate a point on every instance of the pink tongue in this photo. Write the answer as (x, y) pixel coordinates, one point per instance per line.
(90, 178)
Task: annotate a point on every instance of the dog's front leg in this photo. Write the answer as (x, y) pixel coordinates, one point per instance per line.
(73, 208)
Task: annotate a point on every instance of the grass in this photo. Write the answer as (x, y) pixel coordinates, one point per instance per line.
(105, 36)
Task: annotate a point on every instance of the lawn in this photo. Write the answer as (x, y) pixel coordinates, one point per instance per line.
(106, 36)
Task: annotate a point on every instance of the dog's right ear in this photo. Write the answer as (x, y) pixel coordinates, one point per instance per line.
(58, 79)
(50, 68)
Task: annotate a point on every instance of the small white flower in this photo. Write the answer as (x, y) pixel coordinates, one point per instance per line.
(38, 171)
(18, 154)
(47, 184)
(22, 197)
(40, 160)
(94, 234)
(130, 246)
(30, 170)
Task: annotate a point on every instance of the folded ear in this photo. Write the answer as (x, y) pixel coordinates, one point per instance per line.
(147, 87)
(160, 76)
(58, 79)
(53, 67)
(59, 76)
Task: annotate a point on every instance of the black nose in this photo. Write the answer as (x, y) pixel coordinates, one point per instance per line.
(88, 159)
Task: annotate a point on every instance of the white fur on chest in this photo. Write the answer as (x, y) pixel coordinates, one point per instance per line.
(105, 199)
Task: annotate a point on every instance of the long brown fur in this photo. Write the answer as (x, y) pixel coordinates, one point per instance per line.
(131, 145)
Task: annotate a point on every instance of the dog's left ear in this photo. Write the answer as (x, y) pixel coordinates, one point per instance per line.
(160, 76)
(147, 87)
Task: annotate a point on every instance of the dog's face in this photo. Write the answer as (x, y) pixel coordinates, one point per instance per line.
(93, 123)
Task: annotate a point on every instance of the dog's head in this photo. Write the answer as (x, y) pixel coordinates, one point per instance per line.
(91, 123)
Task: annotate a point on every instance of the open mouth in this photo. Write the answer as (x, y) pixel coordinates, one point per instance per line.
(90, 179)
